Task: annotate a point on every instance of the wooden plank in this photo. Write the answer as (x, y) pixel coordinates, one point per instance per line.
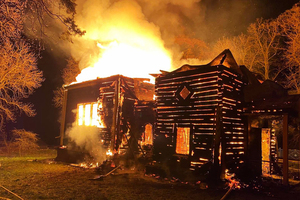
(188, 75)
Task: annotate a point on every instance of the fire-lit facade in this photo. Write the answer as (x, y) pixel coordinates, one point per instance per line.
(121, 108)
(200, 120)
(199, 116)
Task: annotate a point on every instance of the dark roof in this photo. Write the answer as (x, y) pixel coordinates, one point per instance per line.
(225, 58)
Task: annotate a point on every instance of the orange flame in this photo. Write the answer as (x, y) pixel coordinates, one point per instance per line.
(135, 60)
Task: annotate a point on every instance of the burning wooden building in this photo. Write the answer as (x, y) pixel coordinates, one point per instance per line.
(199, 122)
(199, 115)
(204, 119)
(120, 107)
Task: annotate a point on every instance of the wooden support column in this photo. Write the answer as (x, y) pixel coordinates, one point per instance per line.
(285, 150)
(63, 117)
(118, 116)
(114, 128)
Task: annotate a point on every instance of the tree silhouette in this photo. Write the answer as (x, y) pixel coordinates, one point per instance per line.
(264, 37)
(19, 75)
(68, 75)
(290, 27)
(240, 47)
(192, 48)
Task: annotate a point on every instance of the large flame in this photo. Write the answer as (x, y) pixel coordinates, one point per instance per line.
(137, 59)
(119, 39)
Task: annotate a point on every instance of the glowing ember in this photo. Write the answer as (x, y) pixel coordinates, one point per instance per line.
(234, 183)
(86, 165)
(135, 59)
(109, 152)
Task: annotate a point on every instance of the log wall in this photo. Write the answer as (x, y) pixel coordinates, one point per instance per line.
(191, 99)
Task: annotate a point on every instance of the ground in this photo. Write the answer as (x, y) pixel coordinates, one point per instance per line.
(39, 177)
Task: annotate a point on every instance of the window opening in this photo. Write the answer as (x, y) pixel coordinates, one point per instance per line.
(88, 114)
(183, 140)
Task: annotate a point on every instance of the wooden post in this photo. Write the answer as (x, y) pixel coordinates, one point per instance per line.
(115, 114)
(63, 117)
(118, 117)
(285, 150)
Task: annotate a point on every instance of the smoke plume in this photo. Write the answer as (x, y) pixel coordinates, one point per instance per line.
(87, 138)
(114, 20)
(126, 20)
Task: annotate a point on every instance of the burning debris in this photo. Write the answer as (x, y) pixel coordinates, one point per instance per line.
(100, 177)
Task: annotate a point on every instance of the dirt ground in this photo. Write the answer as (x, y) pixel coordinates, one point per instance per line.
(39, 177)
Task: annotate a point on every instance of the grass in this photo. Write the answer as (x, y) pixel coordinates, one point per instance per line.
(36, 176)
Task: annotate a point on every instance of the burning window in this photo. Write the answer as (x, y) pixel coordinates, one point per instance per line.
(88, 114)
(265, 150)
(80, 115)
(148, 135)
(95, 121)
(183, 140)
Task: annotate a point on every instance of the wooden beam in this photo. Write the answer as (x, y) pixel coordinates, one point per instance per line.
(63, 117)
(285, 150)
(115, 114)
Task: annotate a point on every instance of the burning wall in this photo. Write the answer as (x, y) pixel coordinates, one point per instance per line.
(199, 115)
(109, 107)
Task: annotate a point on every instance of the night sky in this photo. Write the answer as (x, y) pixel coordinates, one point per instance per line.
(223, 17)
(231, 17)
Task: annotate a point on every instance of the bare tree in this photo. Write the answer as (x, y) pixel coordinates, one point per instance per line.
(22, 24)
(191, 47)
(69, 75)
(290, 26)
(25, 141)
(240, 47)
(40, 15)
(264, 37)
(71, 71)
(19, 75)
